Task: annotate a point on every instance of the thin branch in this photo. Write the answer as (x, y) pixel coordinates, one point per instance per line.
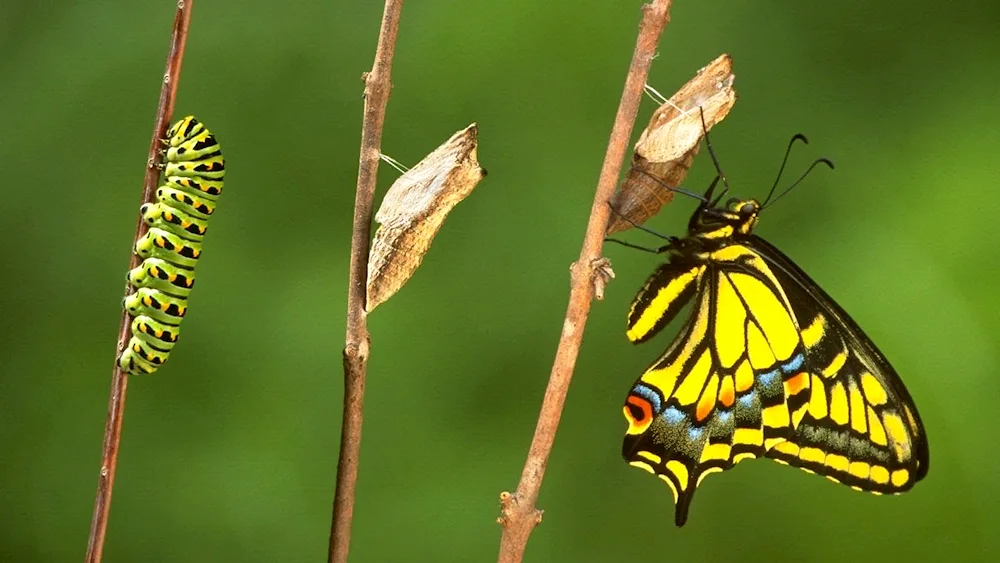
(356, 347)
(119, 381)
(519, 515)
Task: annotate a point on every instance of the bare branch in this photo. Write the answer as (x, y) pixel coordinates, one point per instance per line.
(377, 87)
(119, 380)
(519, 515)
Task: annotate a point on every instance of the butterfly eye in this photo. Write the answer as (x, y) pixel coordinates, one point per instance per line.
(748, 208)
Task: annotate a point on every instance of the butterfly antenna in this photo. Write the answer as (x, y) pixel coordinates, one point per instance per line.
(784, 161)
(715, 161)
(825, 161)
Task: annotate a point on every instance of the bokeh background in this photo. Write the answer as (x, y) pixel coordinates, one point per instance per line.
(229, 452)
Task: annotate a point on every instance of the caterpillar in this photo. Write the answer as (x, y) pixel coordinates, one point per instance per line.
(177, 222)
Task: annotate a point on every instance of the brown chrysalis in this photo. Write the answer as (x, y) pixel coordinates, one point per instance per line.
(666, 148)
(414, 208)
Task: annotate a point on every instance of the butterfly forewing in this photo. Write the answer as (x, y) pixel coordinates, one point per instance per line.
(859, 425)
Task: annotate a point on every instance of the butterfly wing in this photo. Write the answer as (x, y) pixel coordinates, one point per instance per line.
(855, 422)
(738, 382)
(717, 395)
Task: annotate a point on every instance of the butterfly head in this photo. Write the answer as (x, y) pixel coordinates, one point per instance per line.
(717, 223)
(744, 213)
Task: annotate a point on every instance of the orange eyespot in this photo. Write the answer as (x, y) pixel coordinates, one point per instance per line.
(638, 411)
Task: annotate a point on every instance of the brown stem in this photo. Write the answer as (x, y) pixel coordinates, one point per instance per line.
(377, 87)
(519, 515)
(119, 380)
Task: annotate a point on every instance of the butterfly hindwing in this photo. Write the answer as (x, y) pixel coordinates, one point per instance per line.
(717, 395)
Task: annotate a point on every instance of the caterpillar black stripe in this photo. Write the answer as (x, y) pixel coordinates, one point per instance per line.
(170, 249)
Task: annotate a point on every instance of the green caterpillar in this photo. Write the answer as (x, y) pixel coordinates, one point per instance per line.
(172, 245)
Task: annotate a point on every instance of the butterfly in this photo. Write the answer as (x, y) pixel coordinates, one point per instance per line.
(766, 365)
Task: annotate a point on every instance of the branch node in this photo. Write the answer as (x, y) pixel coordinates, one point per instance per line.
(511, 510)
(357, 349)
(508, 503)
(596, 273)
(601, 276)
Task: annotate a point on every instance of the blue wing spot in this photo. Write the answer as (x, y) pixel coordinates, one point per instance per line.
(648, 393)
(768, 378)
(695, 433)
(724, 416)
(673, 416)
(794, 364)
(747, 400)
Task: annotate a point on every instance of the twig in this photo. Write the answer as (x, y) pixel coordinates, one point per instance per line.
(377, 87)
(519, 515)
(119, 381)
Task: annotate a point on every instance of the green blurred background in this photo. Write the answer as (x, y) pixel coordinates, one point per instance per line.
(229, 452)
